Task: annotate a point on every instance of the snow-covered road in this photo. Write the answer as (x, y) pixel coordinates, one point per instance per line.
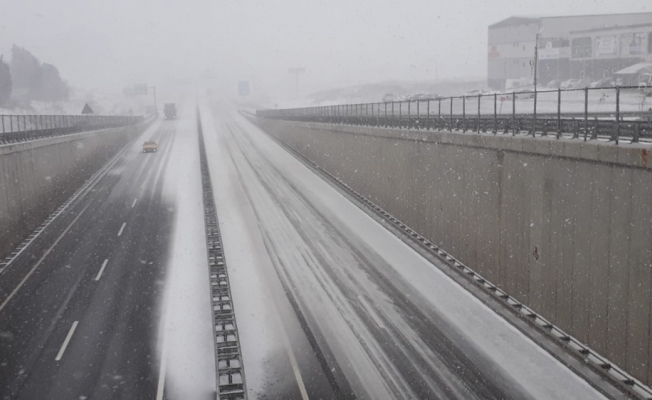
(332, 305)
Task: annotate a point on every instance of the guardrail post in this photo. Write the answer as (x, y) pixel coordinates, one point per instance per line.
(558, 113)
(11, 123)
(3, 123)
(428, 105)
(617, 115)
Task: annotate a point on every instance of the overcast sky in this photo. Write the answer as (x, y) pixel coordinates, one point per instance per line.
(113, 43)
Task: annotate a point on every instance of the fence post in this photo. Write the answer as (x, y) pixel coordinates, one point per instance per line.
(617, 114)
(495, 113)
(534, 119)
(439, 117)
(558, 113)
(514, 113)
(586, 112)
(479, 114)
(464, 114)
(451, 127)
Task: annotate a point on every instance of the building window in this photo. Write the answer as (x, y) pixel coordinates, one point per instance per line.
(632, 43)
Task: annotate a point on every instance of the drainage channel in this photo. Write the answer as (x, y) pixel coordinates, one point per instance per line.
(621, 380)
(230, 377)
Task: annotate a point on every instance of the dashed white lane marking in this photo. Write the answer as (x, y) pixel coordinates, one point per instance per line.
(65, 342)
(371, 312)
(134, 203)
(122, 228)
(99, 274)
(12, 294)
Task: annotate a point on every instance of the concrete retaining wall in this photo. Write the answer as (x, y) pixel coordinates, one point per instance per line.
(36, 177)
(564, 226)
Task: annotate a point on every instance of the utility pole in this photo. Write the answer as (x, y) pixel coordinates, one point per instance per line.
(536, 59)
(296, 72)
(154, 92)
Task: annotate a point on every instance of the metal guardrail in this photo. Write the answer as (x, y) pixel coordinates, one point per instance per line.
(619, 112)
(230, 377)
(19, 128)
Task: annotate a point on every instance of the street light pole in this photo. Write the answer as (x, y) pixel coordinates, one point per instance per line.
(536, 63)
(536, 59)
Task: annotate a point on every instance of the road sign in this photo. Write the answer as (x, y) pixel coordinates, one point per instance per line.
(87, 109)
(140, 88)
(243, 88)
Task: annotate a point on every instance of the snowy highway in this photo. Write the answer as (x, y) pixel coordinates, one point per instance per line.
(325, 296)
(113, 300)
(78, 312)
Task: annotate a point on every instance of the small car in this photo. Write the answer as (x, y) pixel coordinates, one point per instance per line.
(150, 146)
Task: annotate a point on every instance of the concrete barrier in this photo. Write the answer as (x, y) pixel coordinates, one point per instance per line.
(565, 226)
(37, 176)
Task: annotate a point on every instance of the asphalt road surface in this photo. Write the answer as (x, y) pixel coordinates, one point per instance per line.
(83, 324)
(379, 320)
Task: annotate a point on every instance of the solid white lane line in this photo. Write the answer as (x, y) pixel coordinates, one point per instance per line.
(65, 342)
(295, 365)
(371, 312)
(122, 228)
(161, 373)
(134, 203)
(99, 274)
(13, 293)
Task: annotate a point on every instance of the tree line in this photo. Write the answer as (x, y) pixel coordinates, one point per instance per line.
(26, 78)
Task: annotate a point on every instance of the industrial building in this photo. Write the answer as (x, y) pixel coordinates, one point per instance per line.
(583, 47)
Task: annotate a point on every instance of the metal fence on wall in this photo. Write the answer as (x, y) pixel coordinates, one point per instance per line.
(589, 113)
(14, 128)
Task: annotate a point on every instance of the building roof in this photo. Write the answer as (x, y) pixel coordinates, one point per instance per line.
(526, 19)
(612, 28)
(635, 69)
(511, 21)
